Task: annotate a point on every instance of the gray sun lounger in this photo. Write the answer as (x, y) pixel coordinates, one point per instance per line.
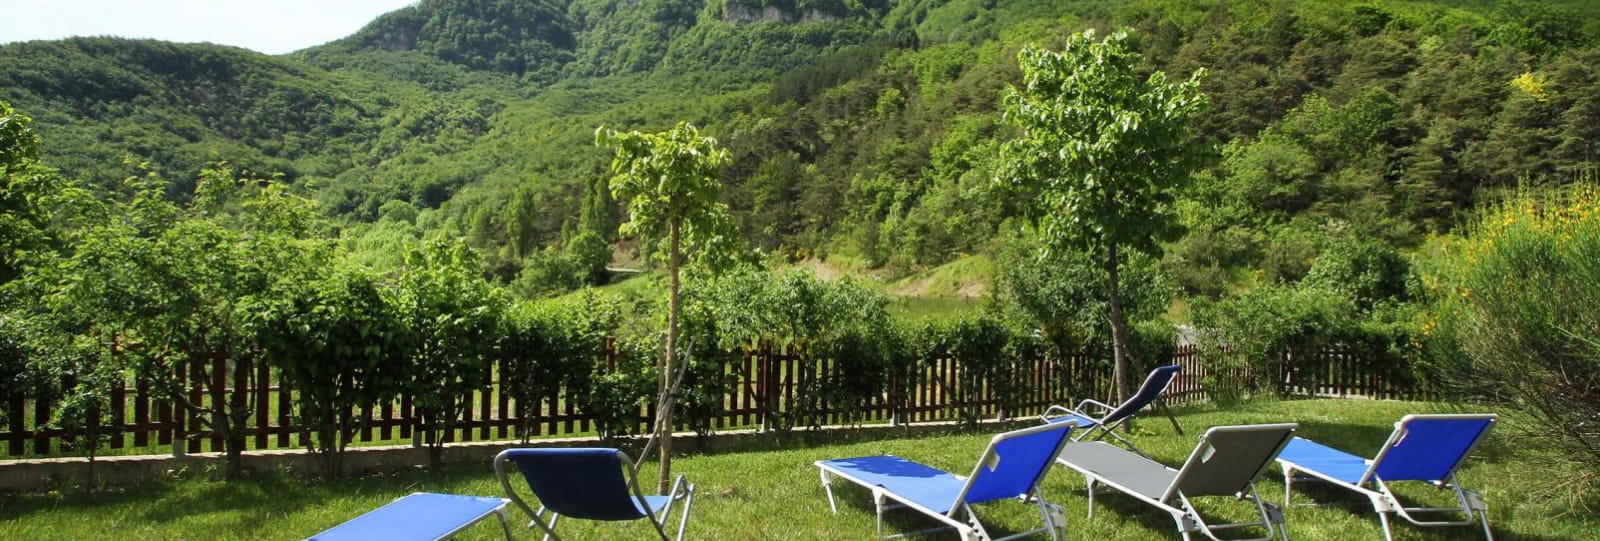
(1225, 463)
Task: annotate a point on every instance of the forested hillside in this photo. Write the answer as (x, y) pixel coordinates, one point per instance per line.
(863, 130)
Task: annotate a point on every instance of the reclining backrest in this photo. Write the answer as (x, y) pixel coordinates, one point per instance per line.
(586, 483)
(1156, 382)
(1014, 462)
(1429, 447)
(1229, 458)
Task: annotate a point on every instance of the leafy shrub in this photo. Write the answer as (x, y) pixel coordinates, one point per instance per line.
(1526, 302)
(844, 321)
(578, 263)
(1065, 293)
(1369, 272)
(19, 340)
(548, 345)
(454, 316)
(339, 343)
(1245, 337)
(990, 355)
(616, 393)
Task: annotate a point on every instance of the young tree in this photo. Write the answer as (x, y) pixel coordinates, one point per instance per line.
(454, 315)
(671, 185)
(27, 190)
(340, 343)
(1101, 154)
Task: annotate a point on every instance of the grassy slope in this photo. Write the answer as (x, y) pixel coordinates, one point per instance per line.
(770, 491)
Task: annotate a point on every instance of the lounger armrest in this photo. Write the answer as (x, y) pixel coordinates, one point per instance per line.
(1053, 412)
(1082, 406)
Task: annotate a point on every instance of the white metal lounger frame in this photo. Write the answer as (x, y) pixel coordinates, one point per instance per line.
(970, 528)
(1384, 501)
(1188, 518)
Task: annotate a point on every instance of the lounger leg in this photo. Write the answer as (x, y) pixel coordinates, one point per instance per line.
(504, 524)
(551, 533)
(1475, 504)
(1050, 512)
(1091, 496)
(1288, 482)
(1383, 518)
(1182, 528)
(974, 529)
(877, 502)
(683, 521)
(827, 485)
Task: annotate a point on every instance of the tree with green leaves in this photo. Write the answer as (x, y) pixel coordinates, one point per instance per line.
(26, 190)
(339, 342)
(671, 184)
(454, 315)
(176, 287)
(1102, 154)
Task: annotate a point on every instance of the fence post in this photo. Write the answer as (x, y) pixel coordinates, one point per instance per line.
(180, 414)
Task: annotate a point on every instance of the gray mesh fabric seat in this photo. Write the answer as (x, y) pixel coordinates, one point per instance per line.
(1226, 462)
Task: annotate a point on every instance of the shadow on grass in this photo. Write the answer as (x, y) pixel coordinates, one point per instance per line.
(808, 439)
(267, 493)
(900, 520)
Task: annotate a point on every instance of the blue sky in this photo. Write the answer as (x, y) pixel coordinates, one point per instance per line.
(268, 26)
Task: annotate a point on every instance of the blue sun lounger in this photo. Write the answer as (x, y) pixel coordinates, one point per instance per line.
(1107, 422)
(1011, 467)
(1422, 448)
(590, 484)
(420, 516)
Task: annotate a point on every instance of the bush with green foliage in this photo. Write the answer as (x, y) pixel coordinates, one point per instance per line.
(341, 344)
(989, 353)
(1064, 294)
(1524, 302)
(1369, 272)
(578, 263)
(454, 316)
(548, 345)
(1250, 334)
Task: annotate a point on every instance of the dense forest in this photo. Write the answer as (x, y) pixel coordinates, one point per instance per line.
(865, 132)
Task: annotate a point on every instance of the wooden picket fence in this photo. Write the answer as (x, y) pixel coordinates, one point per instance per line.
(763, 384)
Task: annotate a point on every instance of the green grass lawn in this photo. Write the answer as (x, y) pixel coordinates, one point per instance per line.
(770, 490)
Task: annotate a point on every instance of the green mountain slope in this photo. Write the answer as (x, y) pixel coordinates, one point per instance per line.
(865, 128)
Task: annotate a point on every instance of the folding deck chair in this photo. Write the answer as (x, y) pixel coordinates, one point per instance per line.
(1011, 467)
(1422, 448)
(419, 516)
(591, 484)
(1225, 463)
(1107, 423)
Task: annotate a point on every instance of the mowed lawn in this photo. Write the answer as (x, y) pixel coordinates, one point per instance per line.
(770, 490)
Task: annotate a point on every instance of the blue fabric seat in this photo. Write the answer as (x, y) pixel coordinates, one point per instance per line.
(420, 516)
(1331, 462)
(590, 484)
(1010, 468)
(929, 487)
(1426, 448)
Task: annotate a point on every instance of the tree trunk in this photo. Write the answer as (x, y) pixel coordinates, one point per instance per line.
(1119, 330)
(664, 410)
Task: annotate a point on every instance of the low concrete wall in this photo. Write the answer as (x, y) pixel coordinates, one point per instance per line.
(49, 473)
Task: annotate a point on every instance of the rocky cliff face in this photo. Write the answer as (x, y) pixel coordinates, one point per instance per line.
(742, 14)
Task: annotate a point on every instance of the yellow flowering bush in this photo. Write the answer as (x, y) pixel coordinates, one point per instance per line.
(1526, 313)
